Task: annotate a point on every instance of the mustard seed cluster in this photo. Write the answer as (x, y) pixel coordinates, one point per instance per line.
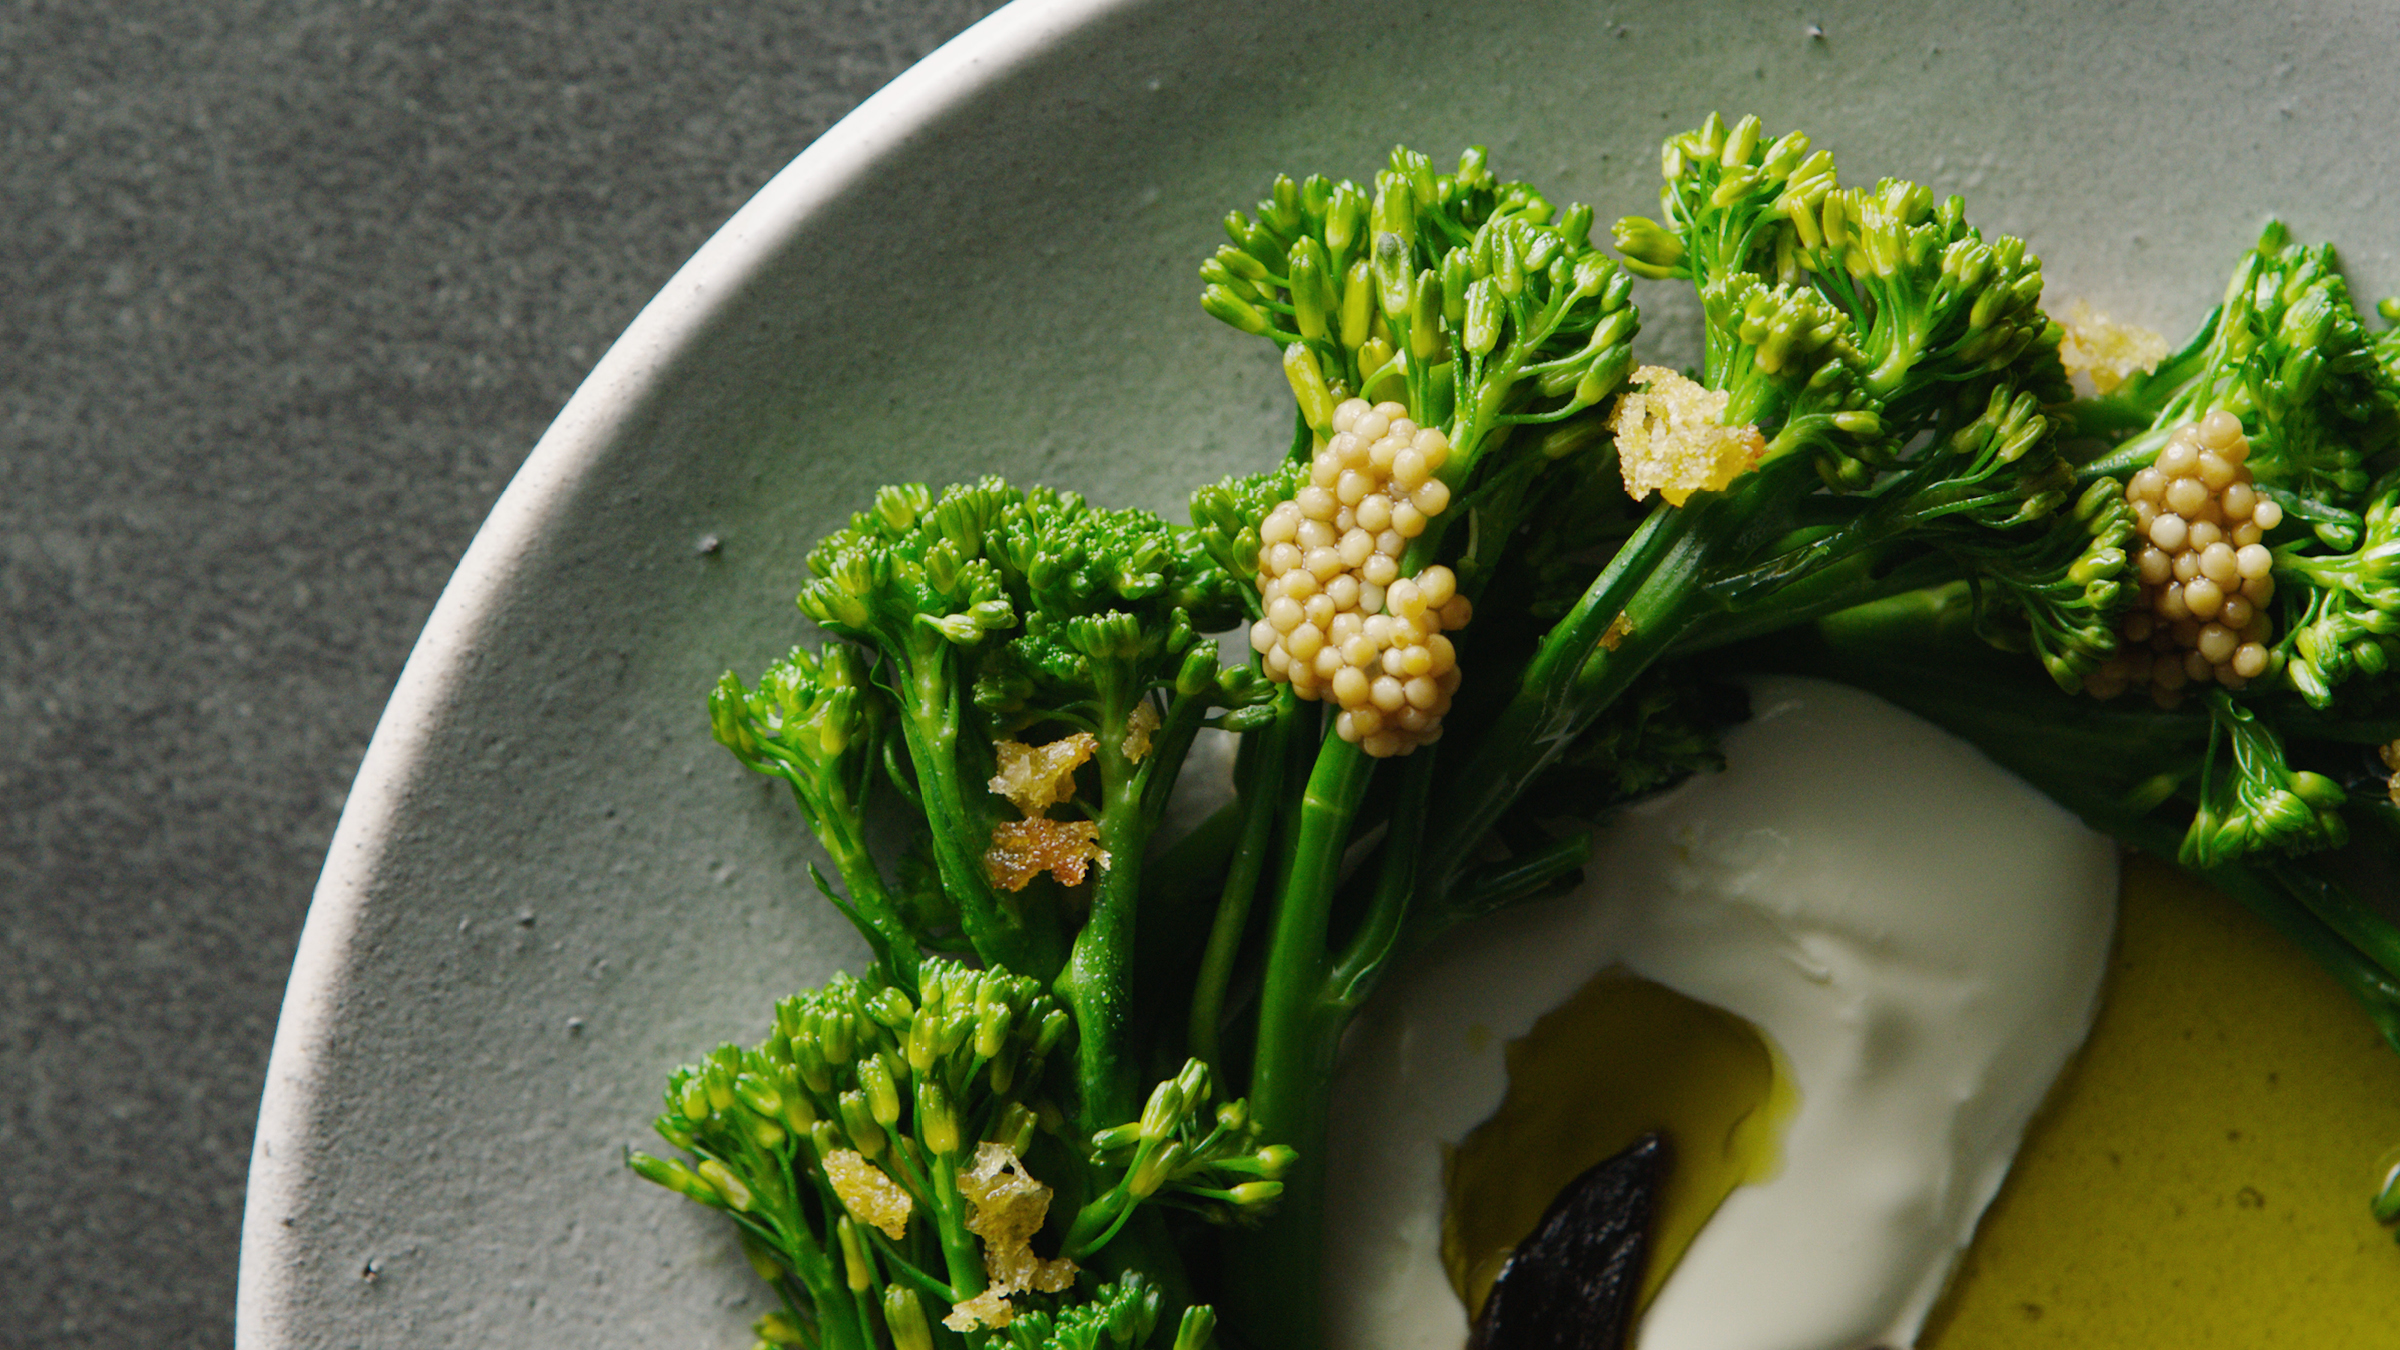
(2206, 572)
(1340, 619)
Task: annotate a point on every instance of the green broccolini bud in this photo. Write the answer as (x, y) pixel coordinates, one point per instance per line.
(1120, 1315)
(2252, 800)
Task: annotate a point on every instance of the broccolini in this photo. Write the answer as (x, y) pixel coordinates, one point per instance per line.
(1498, 582)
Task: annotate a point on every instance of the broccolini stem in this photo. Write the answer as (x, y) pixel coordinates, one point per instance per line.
(1548, 707)
(1354, 973)
(869, 903)
(1294, 1056)
(1096, 982)
(1263, 763)
(930, 720)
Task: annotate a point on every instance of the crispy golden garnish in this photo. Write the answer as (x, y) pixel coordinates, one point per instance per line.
(869, 1195)
(1024, 849)
(1671, 438)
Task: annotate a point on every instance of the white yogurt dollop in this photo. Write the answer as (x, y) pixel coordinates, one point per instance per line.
(1919, 935)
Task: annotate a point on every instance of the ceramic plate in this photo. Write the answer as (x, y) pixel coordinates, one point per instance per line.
(550, 886)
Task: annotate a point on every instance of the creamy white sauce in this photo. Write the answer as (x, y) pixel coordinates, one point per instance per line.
(1919, 935)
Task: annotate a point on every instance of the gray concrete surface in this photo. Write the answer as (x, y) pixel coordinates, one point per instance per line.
(287, 290)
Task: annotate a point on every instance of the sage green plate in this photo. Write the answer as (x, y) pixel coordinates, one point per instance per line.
(550, 886)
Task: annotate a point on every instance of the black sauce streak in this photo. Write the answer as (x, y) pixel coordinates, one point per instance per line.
(1572, 1283)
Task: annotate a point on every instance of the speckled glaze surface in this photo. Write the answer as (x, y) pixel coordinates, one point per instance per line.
(549, 886)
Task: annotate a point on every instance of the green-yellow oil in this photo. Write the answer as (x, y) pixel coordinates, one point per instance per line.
(1623, 1057)
(2200, 1177)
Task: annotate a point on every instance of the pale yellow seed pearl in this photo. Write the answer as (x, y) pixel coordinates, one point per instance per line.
(2185, 496)
(1319, 609)
(2250, 660)
(1316, 534)
(1343, 591)
(1435, 447)
(1374, 513)
(1457, 612)
(2254, 560)
(1328, 663)
(2259, 590)
(2219, 429)
(2267, 515)
(1392, 543)
(2156, 566)
(1415, 659)
(2146, 486)
(1433, 498)
(1359, 653)
(2237, 611)
(2179, 458)
(2202, 533)
(1299, 583)
(2168, 532)
(1350, 686)
(1437, 584)
(1370, 426)
(1304, 641)
(2246, 534)
(2217, 643)
(1370, 597)
(1388, 694)
(1368, 719)
(1382, 569)
(1346, 415)
(1263, 636)
(1409, 519)
(2203, 598)
(1316, 503)
(2170, 603)
(2216, 472)
(1346, 626)
(2218, 565)
(2199, 668)
(1445, 657)
(1408, 470)
(1356, 547)
(1283, 613)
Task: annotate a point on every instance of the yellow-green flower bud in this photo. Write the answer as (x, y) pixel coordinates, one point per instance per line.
(1257, 1195)
(1484, 312)
(904, 1317)
(858, 1121)
(883, 1095)
(779, 1329)
(1276, 1159)
(1154, 1169)
(1358, 304)
(1199, 1325)
(859, 1274)
(1015, 1128)
(1163, 1111)
(937, 1120)
(675, 1177)
(726, 1184)
(1307, 378)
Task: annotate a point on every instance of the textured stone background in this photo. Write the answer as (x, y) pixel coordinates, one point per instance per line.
(287, 290)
